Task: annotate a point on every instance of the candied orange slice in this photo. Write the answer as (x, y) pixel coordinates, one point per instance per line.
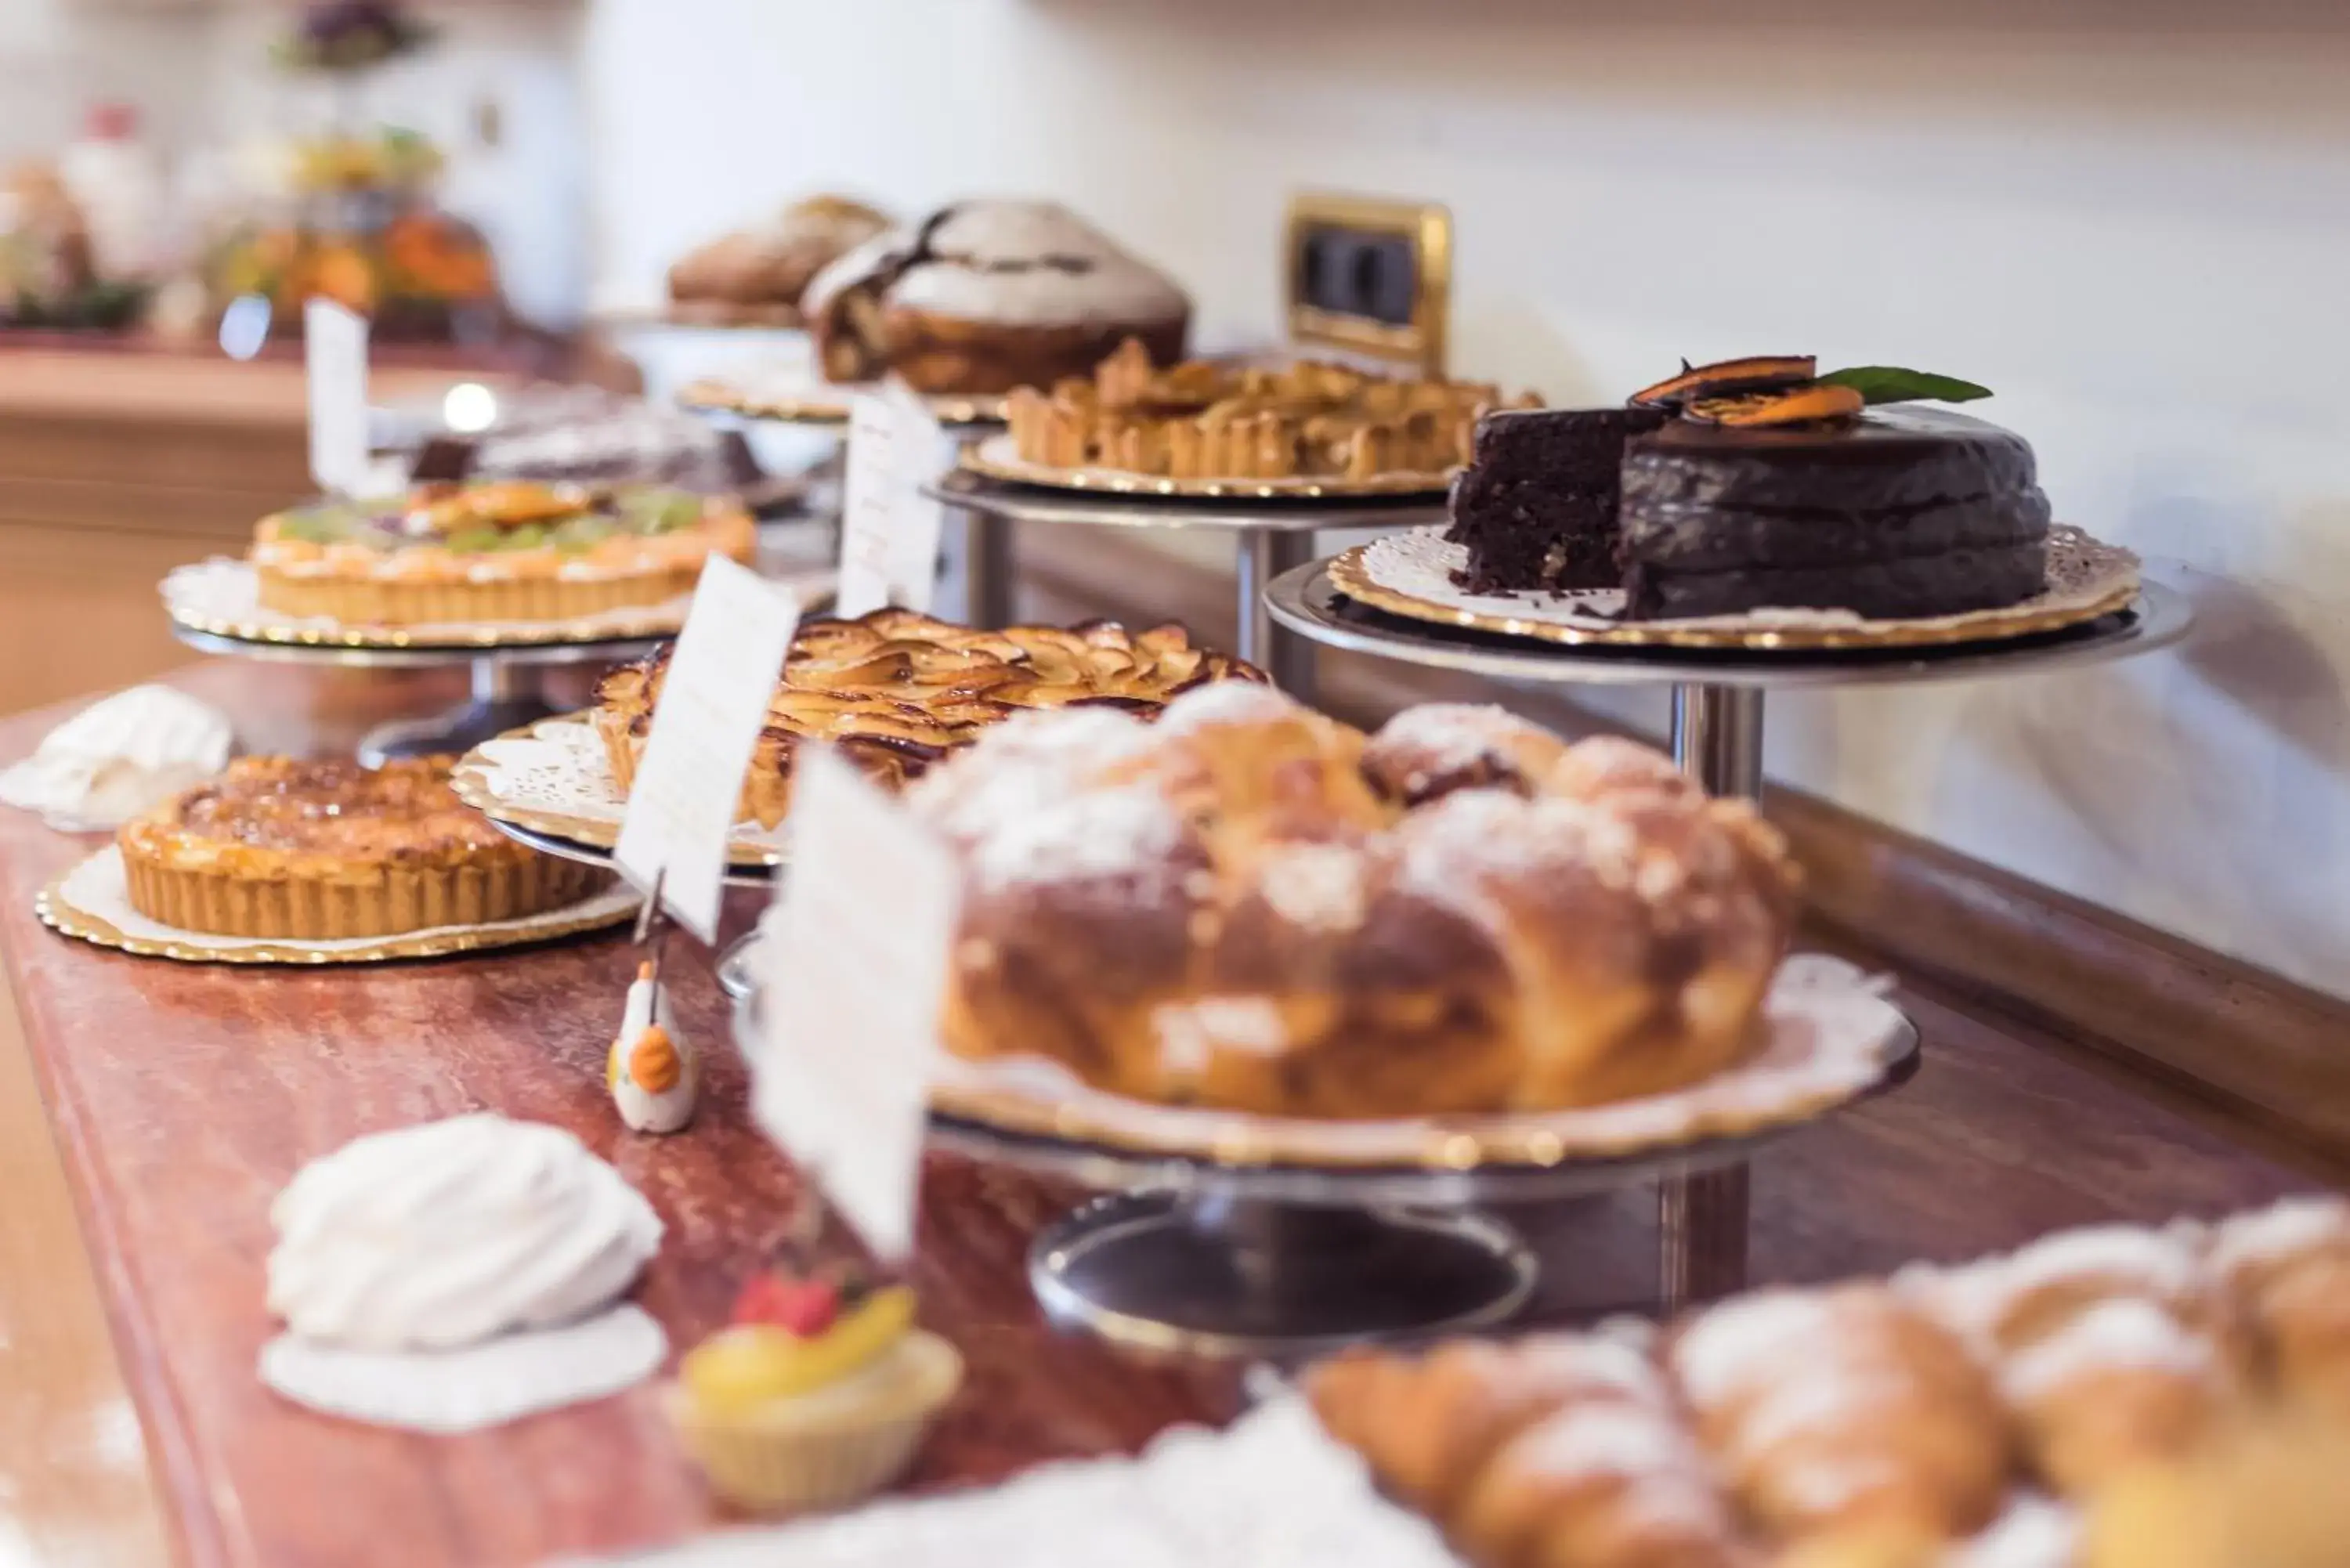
(1796, 406)
(1726, 378)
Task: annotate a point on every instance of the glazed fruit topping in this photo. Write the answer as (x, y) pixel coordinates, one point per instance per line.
(805, 1308)
(1727, 379)
(739, 1369)
(1801, 405)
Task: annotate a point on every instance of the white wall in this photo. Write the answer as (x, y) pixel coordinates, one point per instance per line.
(2132, 219)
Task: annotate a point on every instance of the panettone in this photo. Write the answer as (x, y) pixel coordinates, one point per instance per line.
(1249, 904)
(986, 296)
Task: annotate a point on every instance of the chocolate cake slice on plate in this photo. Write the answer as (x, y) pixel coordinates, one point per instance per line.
(1755, 484)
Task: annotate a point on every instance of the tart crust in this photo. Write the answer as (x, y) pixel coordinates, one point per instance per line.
(429, 583)
(276, 848)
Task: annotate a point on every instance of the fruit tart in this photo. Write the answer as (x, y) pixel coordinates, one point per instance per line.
(816, 1396)
(274, 847)
(494, 551)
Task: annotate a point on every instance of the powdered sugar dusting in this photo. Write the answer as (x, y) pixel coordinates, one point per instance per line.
(1024, 765)
(2125, 1332)
(2148, 1263)
(1439, 739)
(1190, 1033)
(1725, 1350)
(1130, 833)
(1225, 702)
(2280, 1230)
(1317, 887)
(1602, 1437)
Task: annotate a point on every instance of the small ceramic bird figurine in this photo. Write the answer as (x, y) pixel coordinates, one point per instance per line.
(654, 1074)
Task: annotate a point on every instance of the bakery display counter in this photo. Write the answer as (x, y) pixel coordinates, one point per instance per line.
(186, 1096)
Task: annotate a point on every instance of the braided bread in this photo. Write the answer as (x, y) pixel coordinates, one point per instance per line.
(1249, 904)
(895, 691)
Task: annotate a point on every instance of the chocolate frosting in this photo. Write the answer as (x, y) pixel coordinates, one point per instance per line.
(1890, 458)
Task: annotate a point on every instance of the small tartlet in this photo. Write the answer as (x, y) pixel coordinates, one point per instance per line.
(495, 551)
(322, 851)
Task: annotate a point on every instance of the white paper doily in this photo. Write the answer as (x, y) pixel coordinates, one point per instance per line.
(92, 902)
(1271, 1491)
(555, 778)
(486, 1385)
(1829, 1035)
(224, 595)
(1420, 564)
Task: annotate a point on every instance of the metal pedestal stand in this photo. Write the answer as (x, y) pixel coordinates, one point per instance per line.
(505, 689)
(1716, 736)
(1270, 537)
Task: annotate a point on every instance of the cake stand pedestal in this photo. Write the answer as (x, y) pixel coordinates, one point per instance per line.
(506, 688)
(1270, 537)
(1717, 738)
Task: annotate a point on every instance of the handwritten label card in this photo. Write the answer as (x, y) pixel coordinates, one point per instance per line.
(713, 700)
(889, 528)
(335, 355)
(853, 973)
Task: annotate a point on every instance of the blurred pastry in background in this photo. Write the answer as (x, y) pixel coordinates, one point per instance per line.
(754, 276)
(986, 296)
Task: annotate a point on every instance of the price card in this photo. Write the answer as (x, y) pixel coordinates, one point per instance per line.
(853, 971)
(712, 701)
(335, 356)
(889, 528)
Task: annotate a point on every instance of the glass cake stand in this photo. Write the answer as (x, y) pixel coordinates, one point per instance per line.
(1270, 537)
(1197, 1256)
(1716, 736)
(506, 690)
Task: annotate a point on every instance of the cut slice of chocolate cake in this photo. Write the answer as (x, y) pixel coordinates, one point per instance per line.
(1537, 506)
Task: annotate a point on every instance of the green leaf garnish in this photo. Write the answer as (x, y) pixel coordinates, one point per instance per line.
(1891, 384)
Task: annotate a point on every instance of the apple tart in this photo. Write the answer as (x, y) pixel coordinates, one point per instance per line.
(895, 691)
(495, 551)
(277, 847)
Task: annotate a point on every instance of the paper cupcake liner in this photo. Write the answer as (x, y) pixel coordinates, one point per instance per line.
(317, 909)
(771, 1463)
(487, 1384)
(522, 598)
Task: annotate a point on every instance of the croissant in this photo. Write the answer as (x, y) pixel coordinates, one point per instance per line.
(2122, 1385)
(2107, 1343)
(2286, 1270)
(1845, 1411)
(1554, 1452)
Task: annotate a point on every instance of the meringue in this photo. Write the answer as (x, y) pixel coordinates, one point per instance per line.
(452, 1232)
(118, 757)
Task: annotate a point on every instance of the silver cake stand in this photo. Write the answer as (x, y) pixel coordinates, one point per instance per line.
(1270, 537)
(506, 692)
(1716, 736)
(1200, 1257)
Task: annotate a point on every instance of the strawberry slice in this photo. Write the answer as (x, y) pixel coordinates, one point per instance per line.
(804, 1308)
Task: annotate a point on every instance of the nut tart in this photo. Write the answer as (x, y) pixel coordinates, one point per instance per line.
(1247, 906)
(896, 691)
(494, 551)
(320, 851)
(1202, 420)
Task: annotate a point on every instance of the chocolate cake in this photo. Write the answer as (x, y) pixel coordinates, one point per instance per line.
(1537, 505)
(1745, 500)
(1902, 512)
